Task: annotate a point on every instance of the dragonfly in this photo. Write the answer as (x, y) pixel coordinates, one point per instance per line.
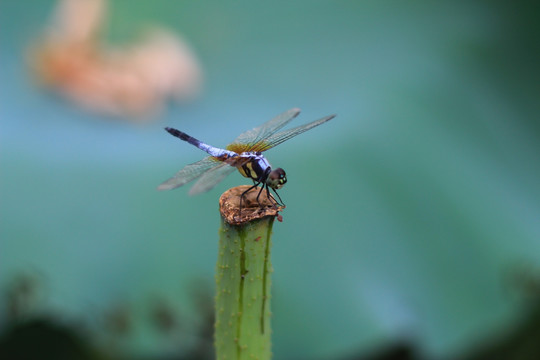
(243, 154)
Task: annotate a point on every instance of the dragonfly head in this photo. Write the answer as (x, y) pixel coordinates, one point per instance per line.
(276, 179)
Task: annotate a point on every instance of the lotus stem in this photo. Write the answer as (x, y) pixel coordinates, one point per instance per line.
(242, 328)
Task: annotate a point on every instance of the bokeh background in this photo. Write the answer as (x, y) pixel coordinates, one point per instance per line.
(412, 225)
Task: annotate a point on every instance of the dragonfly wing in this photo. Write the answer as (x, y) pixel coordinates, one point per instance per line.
(211, 178)
(285, 135)
(247, 140)
(189, 173)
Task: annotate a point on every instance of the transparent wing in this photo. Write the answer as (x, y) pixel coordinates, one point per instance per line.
(189, 173)
(276, 139)
(211, 178)
(247, 140)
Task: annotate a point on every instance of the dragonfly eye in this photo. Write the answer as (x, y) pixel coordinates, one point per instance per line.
(276, 178)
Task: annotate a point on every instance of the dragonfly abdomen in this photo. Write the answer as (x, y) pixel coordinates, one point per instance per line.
(211, 150)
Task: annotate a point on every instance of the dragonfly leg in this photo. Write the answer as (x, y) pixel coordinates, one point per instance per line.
(259, 194)
(280, 203)
(269, 197)
(272, 199)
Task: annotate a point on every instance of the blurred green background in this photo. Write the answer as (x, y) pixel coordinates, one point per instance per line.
(410, 217)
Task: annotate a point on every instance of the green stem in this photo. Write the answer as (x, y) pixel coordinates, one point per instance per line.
(242, 329)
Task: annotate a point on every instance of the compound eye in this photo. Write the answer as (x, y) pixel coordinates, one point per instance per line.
(282, 178)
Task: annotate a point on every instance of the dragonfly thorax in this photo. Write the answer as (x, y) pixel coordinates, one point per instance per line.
(259, 169)
(255, 166)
